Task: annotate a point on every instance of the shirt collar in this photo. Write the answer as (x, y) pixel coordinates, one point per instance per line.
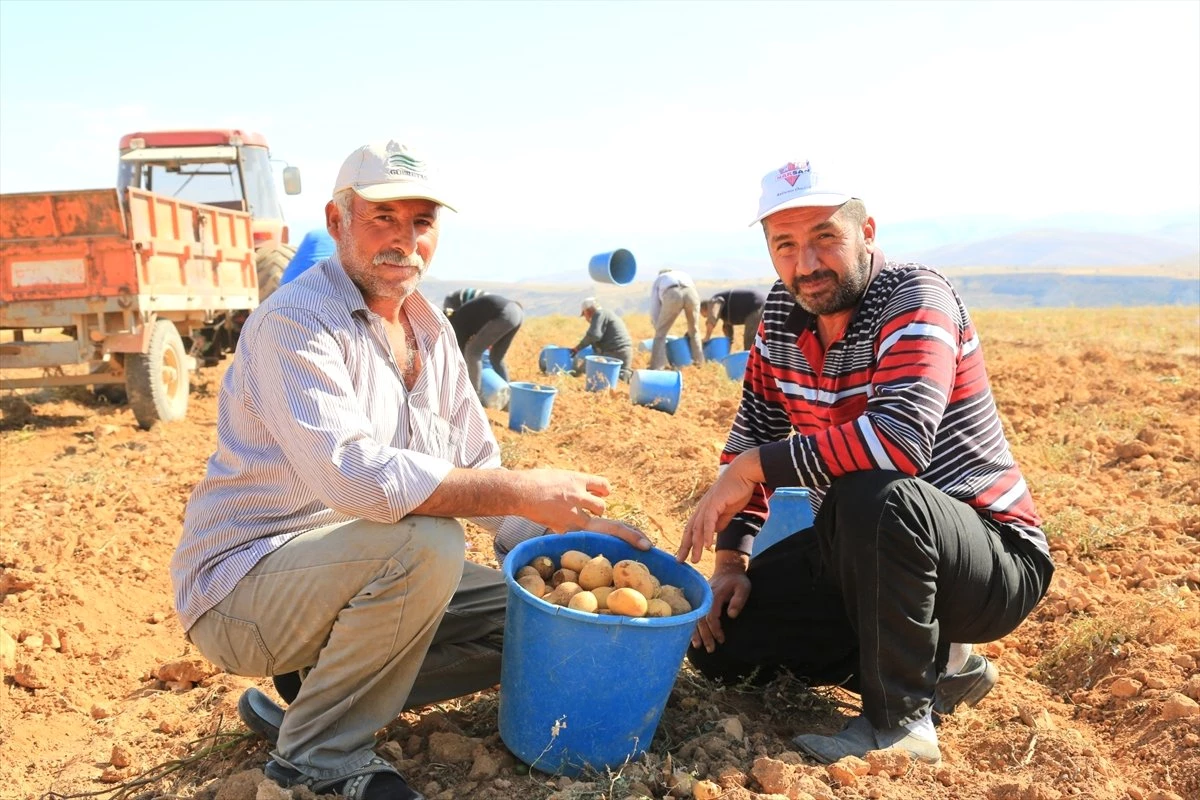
(422, 314)
(800, 320)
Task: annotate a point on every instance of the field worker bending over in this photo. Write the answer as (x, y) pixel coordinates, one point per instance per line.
(733, 307)
(672, 293)
(484, 322)
(607, 335)
(925, 532)
(321, 547)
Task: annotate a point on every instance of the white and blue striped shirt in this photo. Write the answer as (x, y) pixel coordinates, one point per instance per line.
(315, 427)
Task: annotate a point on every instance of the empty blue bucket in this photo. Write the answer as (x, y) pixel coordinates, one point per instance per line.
(554, 359)
(716, 348)
(735, 364)
(618, 267)
(679, 351)
(495, 391)
(790, 511)
(580, 690)
(656, 388)
(602, 372)
(529, 406)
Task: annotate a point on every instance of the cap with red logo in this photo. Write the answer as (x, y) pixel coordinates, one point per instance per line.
(794, 185)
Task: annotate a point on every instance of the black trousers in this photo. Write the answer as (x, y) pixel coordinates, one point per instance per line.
(871, 597)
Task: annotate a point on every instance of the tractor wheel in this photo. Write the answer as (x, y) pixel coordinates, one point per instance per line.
(271, 260)
(157, 382)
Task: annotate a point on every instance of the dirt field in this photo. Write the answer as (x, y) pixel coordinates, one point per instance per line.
(1098, 695)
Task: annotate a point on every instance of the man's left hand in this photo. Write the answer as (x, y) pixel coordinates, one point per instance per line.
(621, 530)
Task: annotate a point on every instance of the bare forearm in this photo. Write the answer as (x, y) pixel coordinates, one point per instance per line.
(476, 493)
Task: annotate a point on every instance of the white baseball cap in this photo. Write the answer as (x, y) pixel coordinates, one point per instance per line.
(794, 185)
(588, 304)
(388, 171)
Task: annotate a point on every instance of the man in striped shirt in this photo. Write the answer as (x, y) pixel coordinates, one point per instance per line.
(867, 385)
(322, 541)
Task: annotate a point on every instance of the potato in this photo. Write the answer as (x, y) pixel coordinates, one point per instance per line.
(657, 608)
(629, 574)
(657, 587)
(563, 593)
(673, 596)
(596, 572)
(564, 576)
(627, 602)
(573, 560)
(533, 584)
(602, 593)
(528, 569)
(584, 601)
(544, 566)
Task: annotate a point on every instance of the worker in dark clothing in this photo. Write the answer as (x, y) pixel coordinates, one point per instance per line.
(483, 321)
(607, 335)
(734, 307)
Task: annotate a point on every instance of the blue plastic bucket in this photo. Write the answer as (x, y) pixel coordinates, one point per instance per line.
(656, 388)
(617, 267)
(581, 690)
(579, 358)
(602, 372)
(495, 392)
(646, 345)
(716, 348)
(679, 351)
(529, 406)
(790, 511)
(735, 364)
(554, 359)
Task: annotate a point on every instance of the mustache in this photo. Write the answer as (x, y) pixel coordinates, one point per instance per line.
(816, 277)
(397, 258)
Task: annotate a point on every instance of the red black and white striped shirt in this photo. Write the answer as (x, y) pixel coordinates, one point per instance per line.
(903, 389)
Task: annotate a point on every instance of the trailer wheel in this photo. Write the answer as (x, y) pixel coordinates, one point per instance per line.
(271, 260)
(157, 382)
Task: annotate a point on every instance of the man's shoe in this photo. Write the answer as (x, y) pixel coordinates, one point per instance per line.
(375, 780)
(969, 685)
(261, 714)
(860, 737)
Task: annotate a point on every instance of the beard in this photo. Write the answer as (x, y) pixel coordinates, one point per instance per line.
(371, 282)
(835, 294)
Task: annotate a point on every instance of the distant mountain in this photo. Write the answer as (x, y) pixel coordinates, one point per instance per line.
(1064, 248)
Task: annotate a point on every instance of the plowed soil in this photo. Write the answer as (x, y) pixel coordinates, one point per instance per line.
(1098, 695)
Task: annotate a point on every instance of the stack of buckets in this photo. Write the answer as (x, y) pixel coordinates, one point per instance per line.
(581, 690)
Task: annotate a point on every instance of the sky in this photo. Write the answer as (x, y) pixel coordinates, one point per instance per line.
(567, 129)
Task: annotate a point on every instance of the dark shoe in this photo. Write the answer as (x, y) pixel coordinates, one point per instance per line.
(261, 714)
(376, 780)
(969, 685)
(859, 737)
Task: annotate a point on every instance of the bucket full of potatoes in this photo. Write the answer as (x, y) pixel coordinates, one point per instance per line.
(595, 635)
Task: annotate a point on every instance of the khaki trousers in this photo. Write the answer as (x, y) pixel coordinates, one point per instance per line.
(388, 617)
(677, 300)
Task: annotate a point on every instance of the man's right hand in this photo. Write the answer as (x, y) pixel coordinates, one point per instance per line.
(560, 499)
(731, 589)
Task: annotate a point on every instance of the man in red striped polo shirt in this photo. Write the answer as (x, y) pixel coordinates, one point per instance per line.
(868, 387)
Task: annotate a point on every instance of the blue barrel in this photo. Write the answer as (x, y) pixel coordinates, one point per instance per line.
(581, 690)
(529, 406)
(554, 359)
(656, 388)
(494, 389)
(735, 364)
(790, 511)
(679, 351)
(617, 267)
(716, 348)
(646, 345)
(316, 245)
(602, 372)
